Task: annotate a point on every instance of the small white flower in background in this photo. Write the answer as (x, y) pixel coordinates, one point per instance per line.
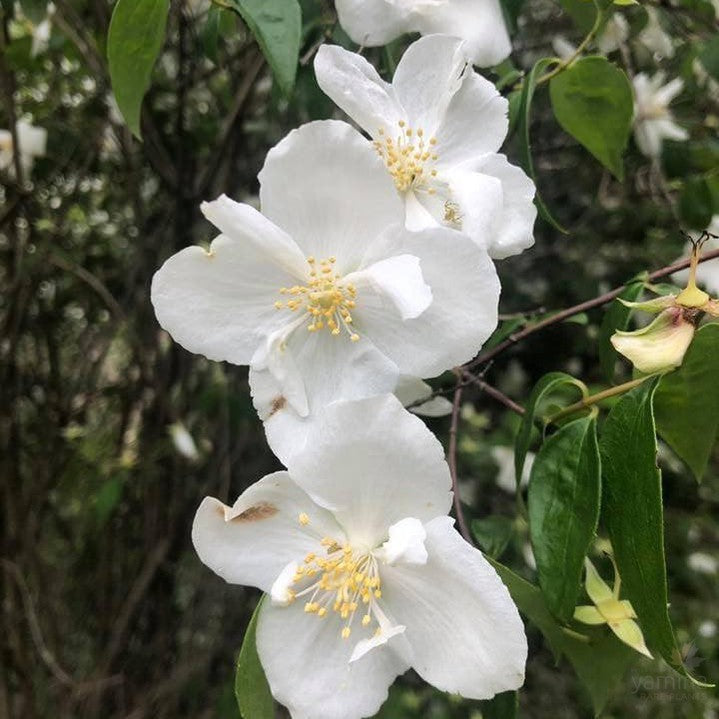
(707, 272)
(705, 80)
(411, 391)
(506, 477)
(41, 32)
(653, 37)
(365, 573)
(653, 121)
(708, 629)
(703, 563)
(563, 49)
(183, 441)
(528, 554)
(480, 23)
(326, 295)
(438, 128)
(32, 143)
(614, 34)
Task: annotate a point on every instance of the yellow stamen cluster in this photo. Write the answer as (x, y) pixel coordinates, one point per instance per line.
(324, 298)
(408, 157)
(340, 580)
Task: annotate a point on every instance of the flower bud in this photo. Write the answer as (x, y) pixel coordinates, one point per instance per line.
(661, 345)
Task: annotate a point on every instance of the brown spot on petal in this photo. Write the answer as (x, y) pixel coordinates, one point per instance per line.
(278, 403)
(261, 510)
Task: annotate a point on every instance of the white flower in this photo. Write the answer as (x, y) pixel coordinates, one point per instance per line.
(326, 296)
(479, 23)
(654, 38)
(183, 441)
(366, 574)
(615, 33)
(562, 47)
(42, 31)
(653, 121)
(411, 391)
(506, 477)
(707, 272)
(705, 81)
(437, 128)
(703, 563)
(31, 140)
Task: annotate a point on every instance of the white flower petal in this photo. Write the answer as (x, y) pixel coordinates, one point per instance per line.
(252, 542)
(280, 593)
(372, 22)
(513, 229)
(417, 216)
(332, 369)
(464, 634)
(479, 23)
(463, 313)
(411, 390)
(475, 123)
(405, 544)
(399, 280)
(221, 303)
(427, 76)
(354, 86)
(308, 666)
(244, 223)
(480, 199)
(391, 467)
(376, 640)
(326, 186)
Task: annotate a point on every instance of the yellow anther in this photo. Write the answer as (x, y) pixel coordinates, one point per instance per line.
(304, 519)
(346, 633)
(366, 620)
(322, 611)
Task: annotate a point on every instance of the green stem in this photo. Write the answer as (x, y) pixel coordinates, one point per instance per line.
(564, 64)
(587, 402)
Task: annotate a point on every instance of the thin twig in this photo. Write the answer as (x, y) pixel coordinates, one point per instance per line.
(577, 309)
(494, 393)
(452, 460)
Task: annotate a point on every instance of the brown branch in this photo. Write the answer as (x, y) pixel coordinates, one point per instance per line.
(577, 309)
(243, 92)
(494, 393)
(452, 460)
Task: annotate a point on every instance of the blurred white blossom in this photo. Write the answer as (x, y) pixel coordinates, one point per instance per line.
(653, 120)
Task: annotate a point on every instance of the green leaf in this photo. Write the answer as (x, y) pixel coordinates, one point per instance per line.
(633, 514)
(592, 100)
(524, 118)
(599, 659)
(137, 31)
(547, 384)
(687, 399)
(563, 502)
(277, 27)
(616, 318)
(696, 204)
(709, 56)
(502, 706)
(493, 534)
(251, 689)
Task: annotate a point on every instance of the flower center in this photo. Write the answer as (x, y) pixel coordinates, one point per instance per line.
(338, 579)
(409, 158)
(325, 299)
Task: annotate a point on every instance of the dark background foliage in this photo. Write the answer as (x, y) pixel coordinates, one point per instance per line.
(106, 611)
